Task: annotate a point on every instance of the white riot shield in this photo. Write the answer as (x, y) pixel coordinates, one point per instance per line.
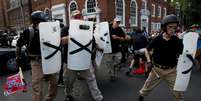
(102, 36)
(184, 65)
(50, 43)
(80, 44)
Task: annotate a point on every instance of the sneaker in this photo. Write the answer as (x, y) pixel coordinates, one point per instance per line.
(69, 98)
(128, 74)
(140, 98)
(60, 84)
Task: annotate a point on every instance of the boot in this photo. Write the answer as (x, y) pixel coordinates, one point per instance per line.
(69, 98)
(140, 98)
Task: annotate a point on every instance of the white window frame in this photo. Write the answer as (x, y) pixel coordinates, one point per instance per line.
(153, 10)
(123, 17)
(88, 15)
(155, 25)
(159, 26)
(69, 10)
(87, 8)
(165, 12)
(159, 11)
(136, 9)
(152, 26)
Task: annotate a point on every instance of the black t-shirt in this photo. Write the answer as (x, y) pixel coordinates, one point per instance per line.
(33, 44)
(116, 43)
(166, 52)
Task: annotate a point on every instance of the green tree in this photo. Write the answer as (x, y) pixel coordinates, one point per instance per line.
(190, 11)
(195, 12)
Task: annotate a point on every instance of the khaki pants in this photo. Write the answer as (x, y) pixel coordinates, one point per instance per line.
(70, 77)
(169, 75)
(37, 78)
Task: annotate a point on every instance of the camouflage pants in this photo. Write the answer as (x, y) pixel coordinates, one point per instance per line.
(113, 60)
(70, 77)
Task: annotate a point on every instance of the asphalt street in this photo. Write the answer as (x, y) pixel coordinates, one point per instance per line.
(124, 89)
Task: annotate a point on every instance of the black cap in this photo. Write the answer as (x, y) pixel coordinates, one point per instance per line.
(38, 16)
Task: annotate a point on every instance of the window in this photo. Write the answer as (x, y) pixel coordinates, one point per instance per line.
(133, 13)
(91, 4)
(155, 26)
(159, 26)
(153, 10)
(73, 6)
(152, 26)
(143, 4)
(13, 4)
(120, 10)
(159, 11)
(165, 12)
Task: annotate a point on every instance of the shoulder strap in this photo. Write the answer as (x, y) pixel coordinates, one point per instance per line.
(31, 35)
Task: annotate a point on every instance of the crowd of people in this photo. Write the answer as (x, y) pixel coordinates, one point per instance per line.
(155, 55)
(6, 37)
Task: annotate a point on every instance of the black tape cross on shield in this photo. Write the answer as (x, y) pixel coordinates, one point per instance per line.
(193, 61)
(101, 38)
(82, 47)
(52, 46)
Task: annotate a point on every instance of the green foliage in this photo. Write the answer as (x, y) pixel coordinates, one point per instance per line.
(190, 11)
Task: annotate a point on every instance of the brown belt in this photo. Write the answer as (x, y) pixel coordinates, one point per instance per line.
(163, 67)
(35, 57)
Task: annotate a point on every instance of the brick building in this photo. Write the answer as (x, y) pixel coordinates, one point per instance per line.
(134, 13)
(17, 14)
(2, 16)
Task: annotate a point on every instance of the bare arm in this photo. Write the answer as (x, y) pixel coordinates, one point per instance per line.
(117, 37)
(145, 51)
(64, 40)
